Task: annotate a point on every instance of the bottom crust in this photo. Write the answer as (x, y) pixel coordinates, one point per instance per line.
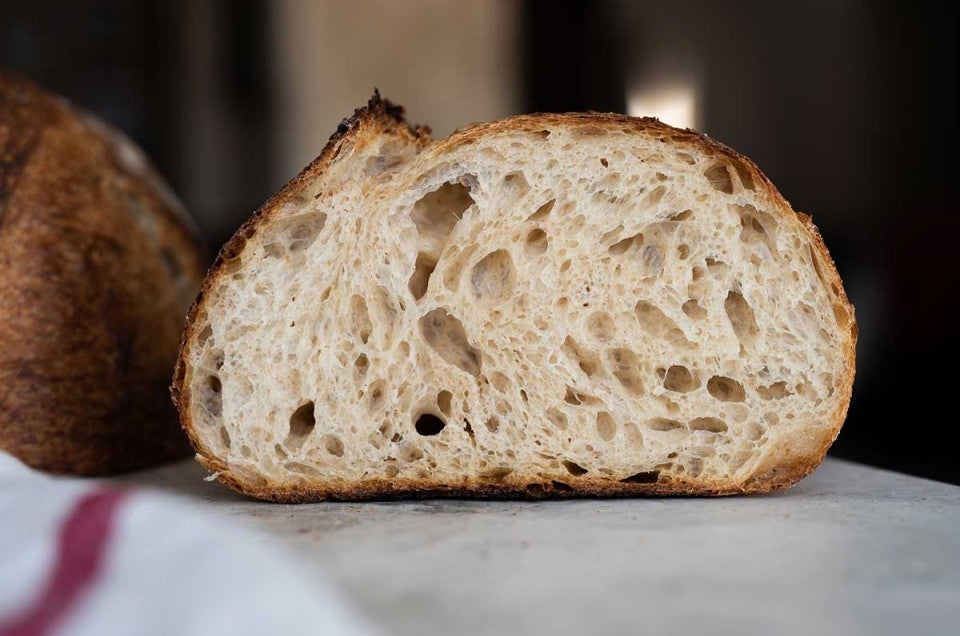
(777, 479)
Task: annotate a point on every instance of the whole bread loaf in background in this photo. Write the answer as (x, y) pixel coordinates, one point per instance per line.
(98, 264)
(547, 305)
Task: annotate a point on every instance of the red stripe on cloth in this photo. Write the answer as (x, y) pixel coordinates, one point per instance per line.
(84, 537)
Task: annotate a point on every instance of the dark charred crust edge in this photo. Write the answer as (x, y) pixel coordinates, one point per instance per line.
(780, 478)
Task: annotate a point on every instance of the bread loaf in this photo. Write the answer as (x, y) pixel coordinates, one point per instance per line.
(98, 265)
(548, 305)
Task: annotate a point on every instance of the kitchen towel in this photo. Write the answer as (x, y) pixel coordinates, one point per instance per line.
(81, 557)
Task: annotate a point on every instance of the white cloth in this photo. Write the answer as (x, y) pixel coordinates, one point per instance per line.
(164, 568)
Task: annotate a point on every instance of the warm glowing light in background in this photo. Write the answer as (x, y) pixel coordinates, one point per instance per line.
(674, 104)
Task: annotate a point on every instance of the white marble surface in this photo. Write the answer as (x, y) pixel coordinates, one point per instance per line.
(850, 550)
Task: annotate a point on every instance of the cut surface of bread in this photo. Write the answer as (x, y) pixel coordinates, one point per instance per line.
(547, 305)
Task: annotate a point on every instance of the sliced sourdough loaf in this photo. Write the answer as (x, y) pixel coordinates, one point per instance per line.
(548, 305)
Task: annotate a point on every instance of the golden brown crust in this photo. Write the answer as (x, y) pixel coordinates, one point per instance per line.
(378, 113)
(97, 266)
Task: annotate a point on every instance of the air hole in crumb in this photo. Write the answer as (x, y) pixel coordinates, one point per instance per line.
(536, 242)
(333, 445)
(231, 265)
(589, 130)
(212, 397)
(693, 309)
(757, 228)
(626, 369)
(224, 437)
(818, 268)
(610, 235)
(302, 231)
(651, 258)
(654, 197)
(444, 402)
(410, 453)
(606, 426)
(715, 266)
(360, 323)
(573, 468)
(686, 158)
(420, 279)
(498, 473)
(683, 251)
(588, 361)
(725, 389)
(680, 379)
(494, 278)
(664, 424)
(633, 435)
(604, 162)
(438, 212)
(361, 363)
(710, 424)
(454, 270)
(558, 418)
(682, 216)
(744, 173)
(516, 182)
(741, 317)
(500, 382)
(543, 211)
(559, 485)
(429, 424)
(390, 155)
(624, 245)
(445, 335)
(658, 324)
(775, 391)
(601, 326)
(719, 177)
(302, 422)
(648, 477)
(375, 396)
(492, 424)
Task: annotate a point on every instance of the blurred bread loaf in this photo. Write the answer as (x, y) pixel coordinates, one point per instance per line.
(547, 305)
(98, 264)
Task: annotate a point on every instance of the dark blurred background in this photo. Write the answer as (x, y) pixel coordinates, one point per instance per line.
(848, 106)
